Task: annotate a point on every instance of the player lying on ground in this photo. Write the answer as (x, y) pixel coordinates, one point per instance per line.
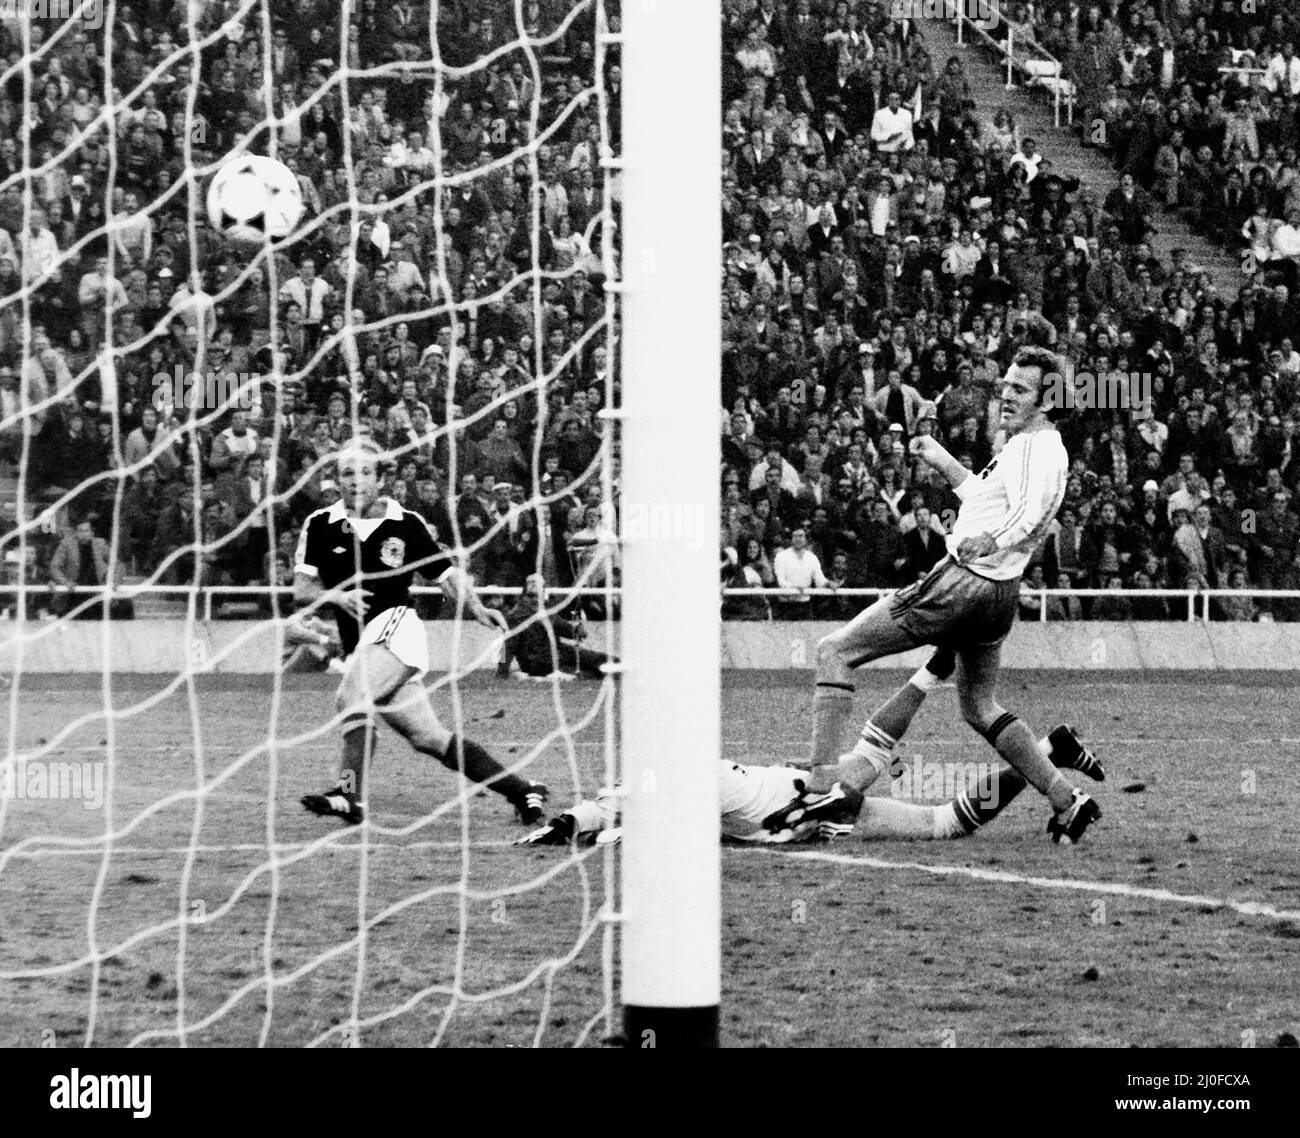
(311, 645)
(358, 557)
(545, 646)
(751, 795)
(967, 602)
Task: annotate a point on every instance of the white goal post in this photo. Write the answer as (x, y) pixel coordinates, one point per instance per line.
(671, 176)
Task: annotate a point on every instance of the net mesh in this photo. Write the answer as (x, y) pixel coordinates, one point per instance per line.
(184, 397)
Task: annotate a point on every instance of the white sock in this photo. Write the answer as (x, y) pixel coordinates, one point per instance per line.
(876, 748)
(946, 824)
(925, 680)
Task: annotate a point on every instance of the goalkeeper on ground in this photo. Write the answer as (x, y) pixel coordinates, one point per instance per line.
(750, 794)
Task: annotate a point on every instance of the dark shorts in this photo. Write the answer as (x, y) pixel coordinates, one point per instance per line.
(952, 607)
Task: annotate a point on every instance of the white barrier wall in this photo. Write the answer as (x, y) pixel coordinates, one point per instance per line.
(250, 647)
(1101, 645)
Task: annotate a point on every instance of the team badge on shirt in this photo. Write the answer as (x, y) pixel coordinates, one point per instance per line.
(392, 552)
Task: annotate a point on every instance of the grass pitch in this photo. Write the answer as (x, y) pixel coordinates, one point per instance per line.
(228, 916)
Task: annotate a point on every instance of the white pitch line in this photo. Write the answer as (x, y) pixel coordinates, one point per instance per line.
(970, 739)
(249, 847)
(1246, 908)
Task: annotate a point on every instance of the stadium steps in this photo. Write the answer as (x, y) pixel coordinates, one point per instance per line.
(1034, 114)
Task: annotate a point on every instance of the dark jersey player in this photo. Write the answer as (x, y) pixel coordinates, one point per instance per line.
(358, 558)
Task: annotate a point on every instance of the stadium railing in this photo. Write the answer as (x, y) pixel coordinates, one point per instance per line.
(1038, 65)
(1196, 600)
(202, 602)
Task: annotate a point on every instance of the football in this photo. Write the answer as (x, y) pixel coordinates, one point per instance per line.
(253, 199)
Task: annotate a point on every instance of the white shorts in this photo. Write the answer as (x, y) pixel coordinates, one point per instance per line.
(749, 794)
(402, 633)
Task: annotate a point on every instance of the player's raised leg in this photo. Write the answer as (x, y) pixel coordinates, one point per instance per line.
(829, 783)
(873, 633)
(410, 713)
(1073, 811)
(968, 811)
(871, 754)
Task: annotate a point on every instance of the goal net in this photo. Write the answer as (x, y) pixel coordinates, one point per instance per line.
(172, 404)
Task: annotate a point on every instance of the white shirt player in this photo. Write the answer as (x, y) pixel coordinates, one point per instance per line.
(1014, 499)
(750, 794)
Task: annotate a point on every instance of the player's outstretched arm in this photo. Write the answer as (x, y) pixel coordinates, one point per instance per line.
(458, 587)
(311, 595)
(932, 452)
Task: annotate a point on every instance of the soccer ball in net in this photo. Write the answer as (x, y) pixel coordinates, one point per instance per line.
(254, 199)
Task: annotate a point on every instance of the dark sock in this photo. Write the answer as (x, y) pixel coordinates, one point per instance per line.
(993, 794)
(477, 765)
(358, 746)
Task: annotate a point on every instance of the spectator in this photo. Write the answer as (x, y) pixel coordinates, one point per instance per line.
(1107, 547)
(83, 561)
(1277, 536)
(234, 445)
(310, 294)
(1067, 607)
(502, 457)
(884, 555)
(151, 443)
(250, 495)
(924, 545)
(1199, 556)
(142, 509)
(738, 574)
(1031, 600)
(1108, 607)
(1241, 606)
(899, 403)
(511, 539)
(797, 567)
(38, 249)
(891, 126)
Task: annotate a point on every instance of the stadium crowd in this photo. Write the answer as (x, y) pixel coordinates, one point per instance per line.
(415, 326)
(889, 245)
